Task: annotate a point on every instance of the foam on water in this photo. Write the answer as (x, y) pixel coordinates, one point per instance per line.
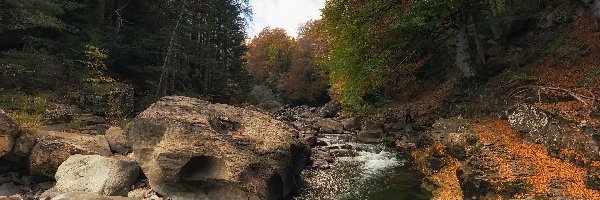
(352, 177)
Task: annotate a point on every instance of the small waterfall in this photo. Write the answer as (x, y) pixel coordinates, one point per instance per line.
(374, 172)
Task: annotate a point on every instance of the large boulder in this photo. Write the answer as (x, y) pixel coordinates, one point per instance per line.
(553, 131)
(97, 175)
(53, 148)
(117, 140)
(8, 132)
(192, 149)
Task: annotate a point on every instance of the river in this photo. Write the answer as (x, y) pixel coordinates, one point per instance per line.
(375, 172)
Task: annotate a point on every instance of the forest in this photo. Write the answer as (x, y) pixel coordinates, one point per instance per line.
(439, 80)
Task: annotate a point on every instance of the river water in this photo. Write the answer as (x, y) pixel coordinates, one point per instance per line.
(375, 173)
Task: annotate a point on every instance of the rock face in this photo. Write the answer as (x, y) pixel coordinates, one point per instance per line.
(117, 140)
(552, 131)
(192, 149)
(53, 148)
(97, 175)
(8, 133)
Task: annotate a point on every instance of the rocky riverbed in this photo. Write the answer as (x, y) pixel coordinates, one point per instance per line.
(180, 146)
(184, 148)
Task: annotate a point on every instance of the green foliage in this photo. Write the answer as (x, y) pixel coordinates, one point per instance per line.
(263, 97)
(27, 120)
(594, 71)
(523, 77)
(26, 110)
(379, 45)
(77, 123)
(95, 61)
(18, 101)
(64, 45)
(554, 44)
(122, 122)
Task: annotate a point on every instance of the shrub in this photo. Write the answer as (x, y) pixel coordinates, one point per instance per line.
(27, 120)
(263, 97)
(26, 110)
(76, 123)
(523, 77)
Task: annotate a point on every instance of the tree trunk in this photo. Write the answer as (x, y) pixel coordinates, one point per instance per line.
(596, 11)
(166, 73)
(120, 5)
(462, 59)
(480, 49)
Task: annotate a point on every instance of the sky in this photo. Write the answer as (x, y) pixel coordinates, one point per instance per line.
(286, 14)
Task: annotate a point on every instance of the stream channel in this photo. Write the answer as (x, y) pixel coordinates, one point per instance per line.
(373, 172)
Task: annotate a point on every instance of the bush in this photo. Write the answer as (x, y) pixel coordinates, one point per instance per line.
(263, 97)
(522, 77)
(27, 120)
(25, 109)
(77, 123)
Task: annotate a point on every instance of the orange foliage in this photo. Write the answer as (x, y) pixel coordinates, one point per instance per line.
(548, 176)
(269, 56)
(445, 179)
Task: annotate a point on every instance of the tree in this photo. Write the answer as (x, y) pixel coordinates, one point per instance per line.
(379, 45)
(162, 47)
(270, 56)
(304, 81)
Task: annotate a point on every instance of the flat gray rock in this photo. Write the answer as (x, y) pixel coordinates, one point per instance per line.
(96, 175)
(88, 196)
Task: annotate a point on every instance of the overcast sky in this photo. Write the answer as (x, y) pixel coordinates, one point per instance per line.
(286, 14)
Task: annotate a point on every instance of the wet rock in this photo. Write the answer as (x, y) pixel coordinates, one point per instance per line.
(88, 196)
(344, 153)
(307, 114)
(330, 126)
(371, 136)
(97, 175)
(372, 125)
(192, 149)
(396, 127)
(321, 143)
(350, 124)
(321, 159)
(8, 133)
(405, 142)
(309, 139)
(330, 110)
(117, 140)
(53, 148)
